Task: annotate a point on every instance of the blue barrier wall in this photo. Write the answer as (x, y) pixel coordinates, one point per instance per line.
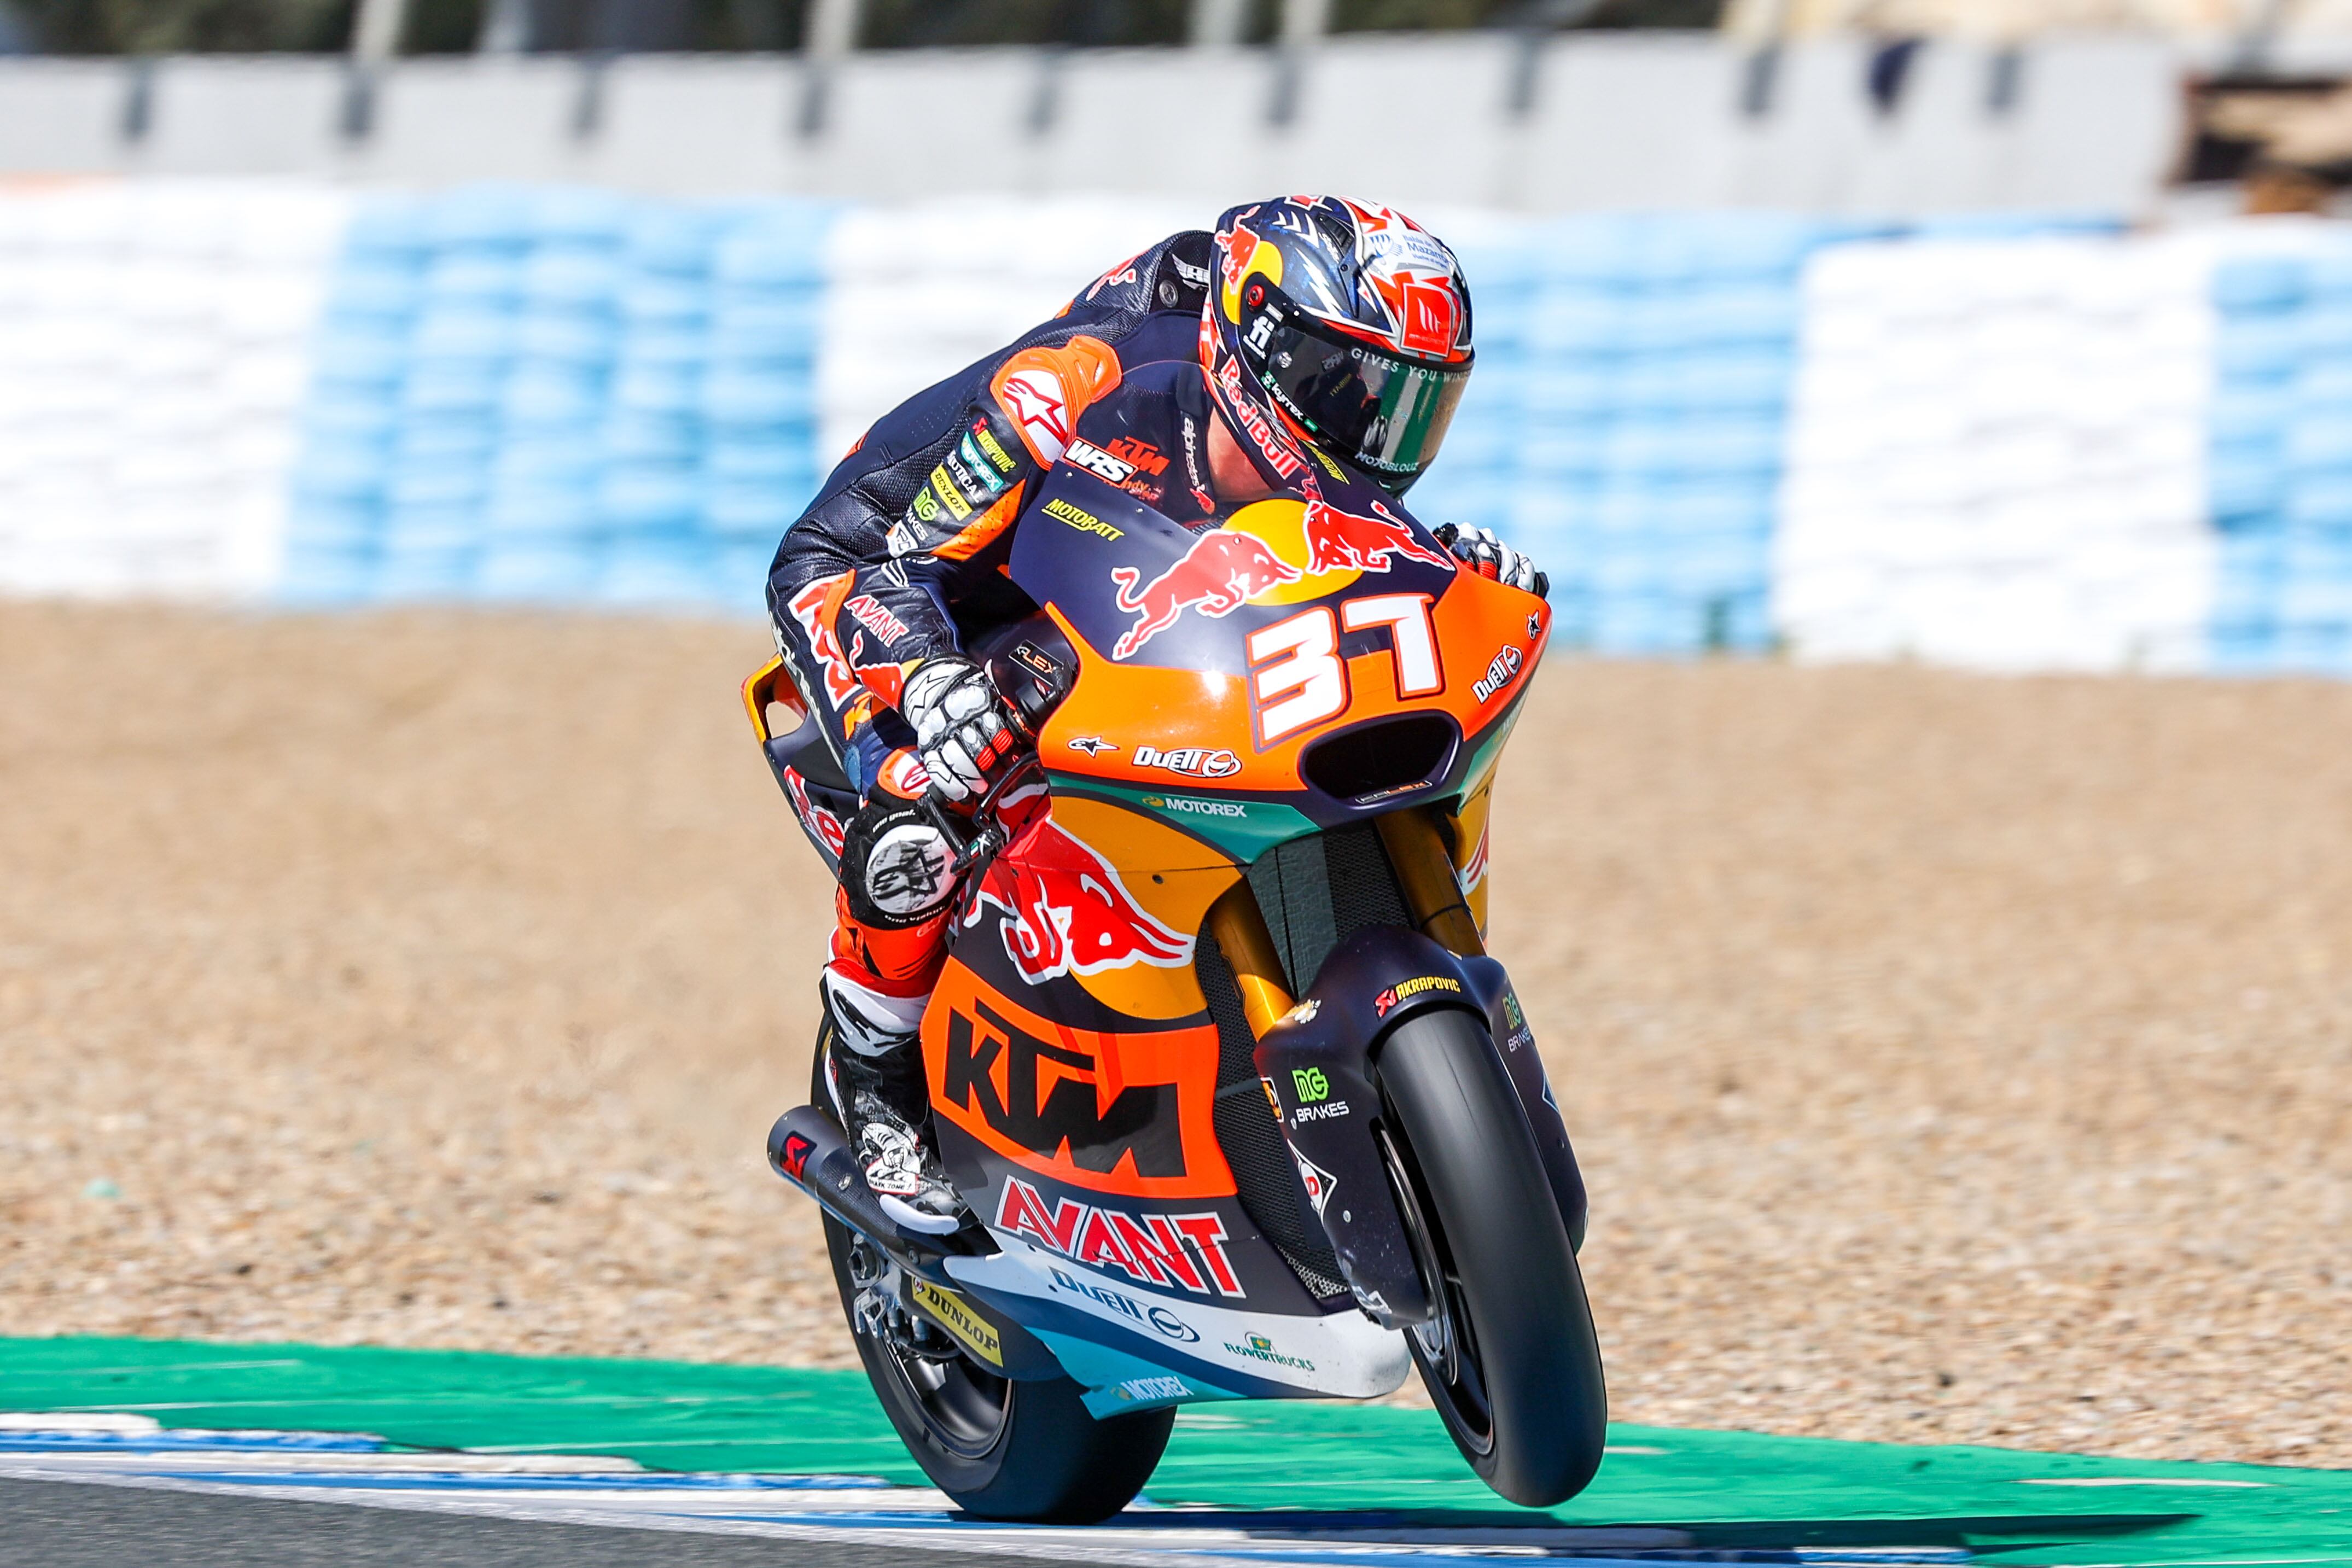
(560, 396)
(2281, 463)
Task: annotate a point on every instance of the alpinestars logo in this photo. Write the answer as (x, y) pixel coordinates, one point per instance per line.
(1185, 1250)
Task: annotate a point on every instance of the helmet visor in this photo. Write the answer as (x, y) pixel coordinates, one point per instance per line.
(1383, 411)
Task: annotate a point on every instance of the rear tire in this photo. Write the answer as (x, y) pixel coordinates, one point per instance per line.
(1511, 1363)
(1028, 1451)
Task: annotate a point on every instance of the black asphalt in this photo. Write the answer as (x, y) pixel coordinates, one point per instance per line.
(71, 1524)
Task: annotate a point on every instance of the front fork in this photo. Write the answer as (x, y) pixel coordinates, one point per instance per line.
(1314, 1056)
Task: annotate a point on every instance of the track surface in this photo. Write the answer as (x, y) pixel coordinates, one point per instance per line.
(63, 1524)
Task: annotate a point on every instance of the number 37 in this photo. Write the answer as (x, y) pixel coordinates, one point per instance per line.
(1297, 678)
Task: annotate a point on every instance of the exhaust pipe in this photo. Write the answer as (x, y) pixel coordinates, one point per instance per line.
(809, 1151)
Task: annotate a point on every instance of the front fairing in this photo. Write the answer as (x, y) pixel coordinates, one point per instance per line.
(1173, 710)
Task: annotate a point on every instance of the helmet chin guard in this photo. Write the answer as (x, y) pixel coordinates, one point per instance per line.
(1340, 324)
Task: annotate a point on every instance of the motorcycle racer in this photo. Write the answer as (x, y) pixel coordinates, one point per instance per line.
(1307, 337)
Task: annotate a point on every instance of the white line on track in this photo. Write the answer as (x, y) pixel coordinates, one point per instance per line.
(119, 1450)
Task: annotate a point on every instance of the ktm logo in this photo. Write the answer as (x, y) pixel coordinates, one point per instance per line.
(1053, 1100)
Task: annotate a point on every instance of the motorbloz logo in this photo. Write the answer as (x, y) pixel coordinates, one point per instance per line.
(1167, 1322)
(1187, 1250)
(1257, 1347)
(1404, 989)
(1498, 674)
(1196, 808)
(1194, 761)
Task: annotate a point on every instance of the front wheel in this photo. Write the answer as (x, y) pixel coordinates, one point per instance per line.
(1509, 1358)
(1026, 1451)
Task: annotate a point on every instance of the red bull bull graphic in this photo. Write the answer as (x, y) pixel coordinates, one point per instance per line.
(1222, 571)
(1066, 912)
(1339, 540)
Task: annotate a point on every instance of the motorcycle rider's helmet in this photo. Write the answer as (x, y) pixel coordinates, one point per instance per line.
(1350, 323)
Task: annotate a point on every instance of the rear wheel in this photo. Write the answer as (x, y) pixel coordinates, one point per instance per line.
(1510, 1358)
(1026, 1451)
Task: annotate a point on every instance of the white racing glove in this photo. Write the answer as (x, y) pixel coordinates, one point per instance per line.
(1489, 557)
(966, 734)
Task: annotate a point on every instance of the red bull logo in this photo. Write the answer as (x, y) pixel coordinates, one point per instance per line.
(1338, 540)
(1222, 571)
(1066, 912)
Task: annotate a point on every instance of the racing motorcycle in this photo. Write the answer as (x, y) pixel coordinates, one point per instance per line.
(1240, 1105)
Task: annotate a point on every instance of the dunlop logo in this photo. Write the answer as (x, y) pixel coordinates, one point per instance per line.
(973, 1331)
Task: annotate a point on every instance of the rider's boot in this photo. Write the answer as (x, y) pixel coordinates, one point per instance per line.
(874, 1073)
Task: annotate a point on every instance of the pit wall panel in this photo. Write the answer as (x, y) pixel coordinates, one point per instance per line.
(2009, 444)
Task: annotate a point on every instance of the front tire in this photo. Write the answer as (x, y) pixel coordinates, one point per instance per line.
(1027, 1450)
(1511, 1361)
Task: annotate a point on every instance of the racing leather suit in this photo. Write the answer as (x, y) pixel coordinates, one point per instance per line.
(900, 558)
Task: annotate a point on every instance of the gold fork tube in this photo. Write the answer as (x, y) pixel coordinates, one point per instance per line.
(1425, 875)
(1238, 926)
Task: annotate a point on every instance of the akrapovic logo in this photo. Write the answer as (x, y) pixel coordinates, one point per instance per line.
(1404, 990)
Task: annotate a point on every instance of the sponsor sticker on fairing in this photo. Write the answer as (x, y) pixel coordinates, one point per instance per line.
(1232, 808)
(1498, 675)
(953, 1314)
(1186, 1251)
(1192, 762)
(1155, 1389)
(1404, 990)
(1257, 1347)
(1078, 517)
(1165, 1323)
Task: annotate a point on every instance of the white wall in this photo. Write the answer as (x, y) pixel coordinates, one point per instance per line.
(1620, 121)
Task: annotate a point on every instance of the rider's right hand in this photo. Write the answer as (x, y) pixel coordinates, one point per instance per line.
(966, 733)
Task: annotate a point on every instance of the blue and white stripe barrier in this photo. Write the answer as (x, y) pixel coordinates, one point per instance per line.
(2009, 444)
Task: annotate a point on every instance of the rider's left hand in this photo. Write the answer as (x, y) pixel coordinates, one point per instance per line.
(967, 736)
(1489, 557)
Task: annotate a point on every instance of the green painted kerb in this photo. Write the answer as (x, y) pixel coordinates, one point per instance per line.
(1730, 1488)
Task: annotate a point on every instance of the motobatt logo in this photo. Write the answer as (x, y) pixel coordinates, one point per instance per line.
(1406, 989)
(1085, 454)
(1222, 571)
(1159, 1318)
(1194, 761)
(1053, 1102)
(1498, 674)
(1066, 912)
(1338, 540)
(1186, 1251)
(1078, 517)
(974, 1332)
(1257, 1347)
(1196, 808)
